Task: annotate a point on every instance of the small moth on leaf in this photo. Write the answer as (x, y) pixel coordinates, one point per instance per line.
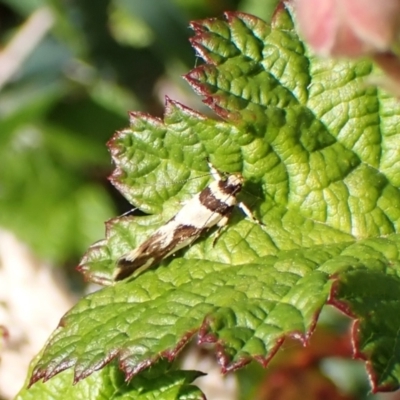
(211, 207)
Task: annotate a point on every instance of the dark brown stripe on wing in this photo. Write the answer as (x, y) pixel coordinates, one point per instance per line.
(208, 200)
(154, 250)
(229, 188)
(183, 236)
(126, 268)
(186, 231)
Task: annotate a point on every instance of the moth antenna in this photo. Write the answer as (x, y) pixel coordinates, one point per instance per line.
(193, 178)
(129, 211)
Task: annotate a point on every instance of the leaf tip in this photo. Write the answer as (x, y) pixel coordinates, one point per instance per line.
(193, 79)
(36, 376)
(172, 353)
(131, 371)
(334, 301)
(47, 372)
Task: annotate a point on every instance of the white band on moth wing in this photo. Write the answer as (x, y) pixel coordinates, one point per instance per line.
(223, 197)
(197, 215)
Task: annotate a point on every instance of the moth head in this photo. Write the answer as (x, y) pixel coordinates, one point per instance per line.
(233, 183)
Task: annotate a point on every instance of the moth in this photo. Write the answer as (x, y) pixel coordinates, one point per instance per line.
(208, 208)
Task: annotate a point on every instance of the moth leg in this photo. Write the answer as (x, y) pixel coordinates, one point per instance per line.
(249, 214)
(222, 224)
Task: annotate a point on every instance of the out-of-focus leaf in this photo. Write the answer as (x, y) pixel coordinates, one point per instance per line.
(168, 25)
(128, 29)
(40, 188)
(25, 7)
(261, 9)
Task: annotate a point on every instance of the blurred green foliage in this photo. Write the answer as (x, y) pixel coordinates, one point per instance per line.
(71, 92)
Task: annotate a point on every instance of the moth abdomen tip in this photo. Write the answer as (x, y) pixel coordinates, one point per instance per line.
(125, 267)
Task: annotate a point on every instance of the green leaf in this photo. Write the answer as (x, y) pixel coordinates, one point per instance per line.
(108, 383)
(41, 189)
(249, 309)
(317, 148)
(373, 299)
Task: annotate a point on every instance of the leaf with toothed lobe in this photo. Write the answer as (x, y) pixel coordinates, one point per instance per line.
(109, 383)
(318, 151)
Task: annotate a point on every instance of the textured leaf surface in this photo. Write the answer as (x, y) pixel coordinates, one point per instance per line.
(373, 298)
(318, 150)
(156, 383)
